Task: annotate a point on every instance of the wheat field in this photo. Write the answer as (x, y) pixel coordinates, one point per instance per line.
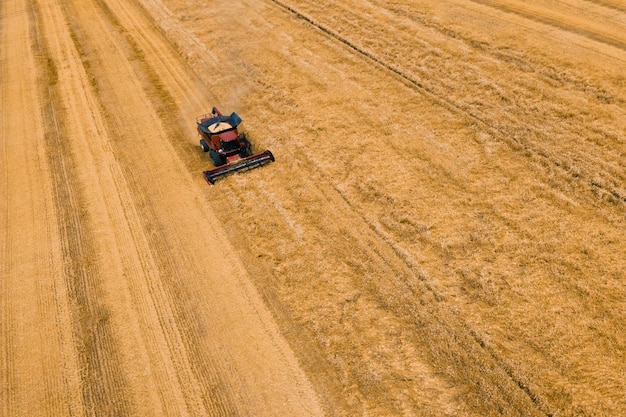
(442, 233)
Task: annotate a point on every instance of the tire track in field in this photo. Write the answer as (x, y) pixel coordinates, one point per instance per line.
(595, 187)
(6, 308)
(198, 375)
(26, 281)
(220, 401)
(153, 65)
(171, 368)
(461, 335)
(458, 344)
(163, 101)
(101, 379)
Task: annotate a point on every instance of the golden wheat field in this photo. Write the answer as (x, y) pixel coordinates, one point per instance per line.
(442, 233)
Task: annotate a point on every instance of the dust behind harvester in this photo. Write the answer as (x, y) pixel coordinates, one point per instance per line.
(229, 150)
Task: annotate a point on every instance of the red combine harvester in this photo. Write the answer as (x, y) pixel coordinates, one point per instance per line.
(228, 149)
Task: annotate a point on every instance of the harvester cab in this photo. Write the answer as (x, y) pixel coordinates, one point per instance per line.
(229, 150)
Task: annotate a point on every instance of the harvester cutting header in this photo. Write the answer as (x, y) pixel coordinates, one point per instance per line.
(229, 150)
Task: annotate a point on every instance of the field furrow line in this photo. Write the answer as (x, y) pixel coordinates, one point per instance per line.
(458, 339)
(101, 379)
(145, 239)
(171, 89)
(23, 248)
(153, 287)
(6, 307)
(200, 378)
(203, 375)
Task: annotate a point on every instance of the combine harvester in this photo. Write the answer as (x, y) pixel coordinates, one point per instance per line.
(229, 150)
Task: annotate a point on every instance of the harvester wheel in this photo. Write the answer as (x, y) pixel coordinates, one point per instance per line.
(216, 158)
(204, 145)
(246, 149)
